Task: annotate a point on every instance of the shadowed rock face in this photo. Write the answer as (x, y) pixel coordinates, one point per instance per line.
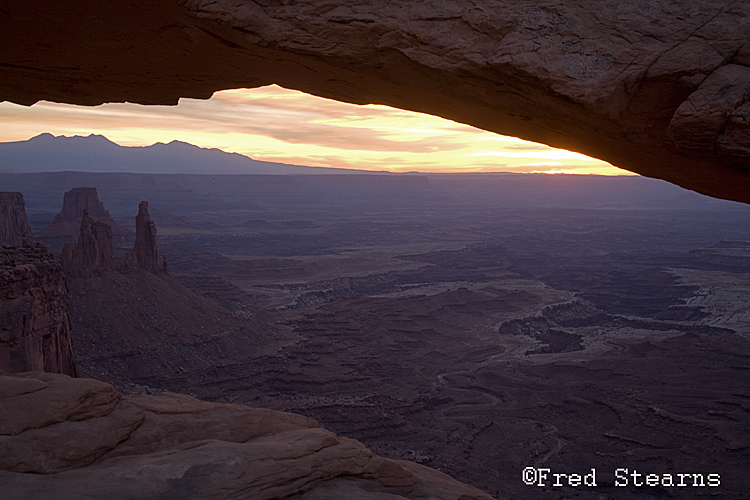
(92, 253)
(34, 325)
(78, 199)
(13, 222)
(67, 222)
(657, 87)
(145, 253)
(93, 250)
(73, 438)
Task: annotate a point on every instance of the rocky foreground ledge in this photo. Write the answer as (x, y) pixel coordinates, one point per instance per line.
(68, 438)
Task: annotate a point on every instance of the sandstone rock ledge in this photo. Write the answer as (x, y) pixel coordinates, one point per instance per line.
(67, 438)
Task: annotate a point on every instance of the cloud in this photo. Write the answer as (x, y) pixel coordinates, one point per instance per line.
(275, 124)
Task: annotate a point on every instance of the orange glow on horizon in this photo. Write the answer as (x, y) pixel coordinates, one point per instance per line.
(286, 126)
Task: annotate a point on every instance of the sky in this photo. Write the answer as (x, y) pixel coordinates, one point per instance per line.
(280, 125)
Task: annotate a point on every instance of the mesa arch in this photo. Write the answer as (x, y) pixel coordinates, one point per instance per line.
(657, 87)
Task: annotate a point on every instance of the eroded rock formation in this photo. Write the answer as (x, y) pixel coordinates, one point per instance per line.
(92, 252)
(74, 438)
(656, 87)
(145, 253)
(13, 223)
(67, 223)
(34, 325)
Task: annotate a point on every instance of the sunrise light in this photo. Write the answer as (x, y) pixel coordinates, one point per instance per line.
(280, 125)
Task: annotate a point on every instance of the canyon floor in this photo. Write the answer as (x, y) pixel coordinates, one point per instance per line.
(459, 323)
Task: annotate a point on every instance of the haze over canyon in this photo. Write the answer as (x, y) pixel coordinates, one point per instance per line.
(180, 322)
(477, 324)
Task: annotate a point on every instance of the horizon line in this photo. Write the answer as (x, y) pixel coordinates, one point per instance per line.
(316, 167)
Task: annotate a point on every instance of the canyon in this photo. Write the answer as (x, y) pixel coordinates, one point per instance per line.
(475, 324)
(74, 438)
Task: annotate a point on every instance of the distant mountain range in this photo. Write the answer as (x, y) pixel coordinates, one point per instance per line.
(96, 153)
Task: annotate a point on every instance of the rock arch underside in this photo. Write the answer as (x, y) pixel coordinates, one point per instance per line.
(658, 87)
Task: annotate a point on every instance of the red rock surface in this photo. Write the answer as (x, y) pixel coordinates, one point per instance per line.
(13, 222)
(35, 329)
(69, 438)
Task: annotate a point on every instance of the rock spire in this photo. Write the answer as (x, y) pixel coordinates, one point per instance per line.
(93, 252)
(13, 223)
(145, 253)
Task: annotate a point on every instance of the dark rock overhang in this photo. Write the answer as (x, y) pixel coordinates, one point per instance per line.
(661, 91)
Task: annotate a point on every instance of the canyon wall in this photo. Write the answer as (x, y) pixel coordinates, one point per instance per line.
(34, 323)
(657, 87)
(35, 329)
(13, 223)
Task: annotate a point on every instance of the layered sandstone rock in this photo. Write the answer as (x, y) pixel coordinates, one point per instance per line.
(13, 223)
(657, 87)
(67, 223)
(34, 325)
(146, 254)
(92, 252)
(77, 438)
